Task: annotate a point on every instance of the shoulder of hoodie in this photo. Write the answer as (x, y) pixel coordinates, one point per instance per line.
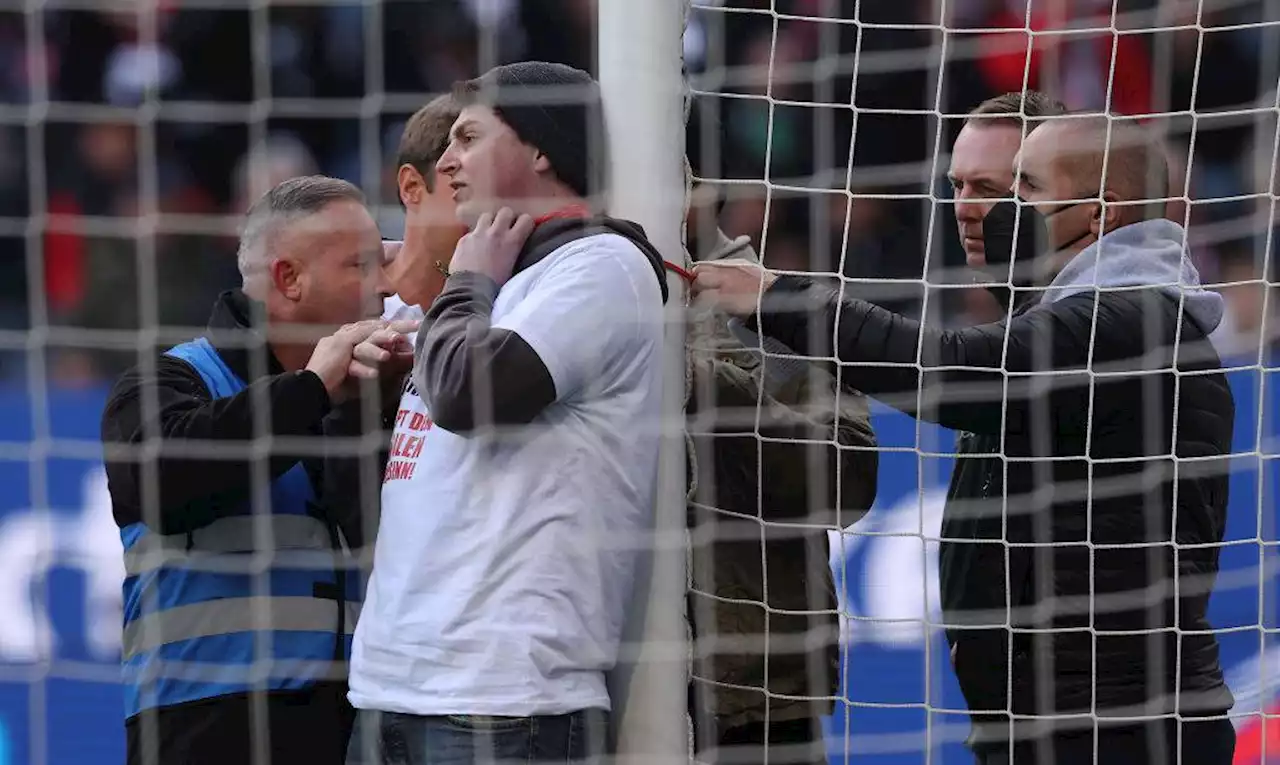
(1120, 305)
(613, 257)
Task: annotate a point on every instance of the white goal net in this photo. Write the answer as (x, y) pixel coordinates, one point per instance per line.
(826, 129)
(133, 133)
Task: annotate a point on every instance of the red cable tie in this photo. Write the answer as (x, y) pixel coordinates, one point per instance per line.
(682, 273)
(571, 211)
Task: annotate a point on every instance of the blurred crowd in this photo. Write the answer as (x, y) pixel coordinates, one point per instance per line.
(142, 131)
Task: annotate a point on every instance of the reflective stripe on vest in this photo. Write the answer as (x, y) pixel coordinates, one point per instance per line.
(249, 601)
(231, 615)
(240, 534)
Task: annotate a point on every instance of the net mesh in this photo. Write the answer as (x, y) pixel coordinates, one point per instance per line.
(133, 133)
(823, 131)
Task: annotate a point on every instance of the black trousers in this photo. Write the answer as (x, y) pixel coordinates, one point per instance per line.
(1203, 742)
(310, 727)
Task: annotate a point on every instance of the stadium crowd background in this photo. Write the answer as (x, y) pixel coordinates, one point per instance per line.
(92, 157)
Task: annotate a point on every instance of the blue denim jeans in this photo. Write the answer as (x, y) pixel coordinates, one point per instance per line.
(388, 738)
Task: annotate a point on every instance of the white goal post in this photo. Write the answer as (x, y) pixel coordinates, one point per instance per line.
(642, 86)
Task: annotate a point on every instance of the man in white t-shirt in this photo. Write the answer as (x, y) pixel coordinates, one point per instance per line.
(520, 483)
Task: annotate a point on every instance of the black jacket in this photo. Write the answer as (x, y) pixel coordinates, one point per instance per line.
(1068, 493)
(174, 456)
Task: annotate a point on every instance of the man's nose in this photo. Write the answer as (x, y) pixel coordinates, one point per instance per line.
(448, 163)
(970, 212)
(382, 282)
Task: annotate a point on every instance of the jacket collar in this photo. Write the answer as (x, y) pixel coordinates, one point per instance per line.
(561, 228)
(234, 332)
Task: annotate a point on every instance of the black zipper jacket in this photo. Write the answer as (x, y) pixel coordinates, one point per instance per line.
(204, 456)
(174, 457)
(1076, 472)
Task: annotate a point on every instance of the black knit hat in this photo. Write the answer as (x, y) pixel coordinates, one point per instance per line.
(553, 107)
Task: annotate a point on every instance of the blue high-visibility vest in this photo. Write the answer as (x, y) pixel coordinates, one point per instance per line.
(263, 600)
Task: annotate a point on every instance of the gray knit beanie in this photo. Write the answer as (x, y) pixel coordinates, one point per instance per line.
(553, 107)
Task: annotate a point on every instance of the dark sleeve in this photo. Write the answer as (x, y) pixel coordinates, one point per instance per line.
(357, 439)
(852, 468)
(168, 433)
(799, 454)
(470, 374)
(978, 379)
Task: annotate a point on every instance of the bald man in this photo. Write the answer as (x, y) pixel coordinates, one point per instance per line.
(1090, 489)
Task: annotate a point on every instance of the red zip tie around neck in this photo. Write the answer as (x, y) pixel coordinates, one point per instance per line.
(572, 211)
(677, 270)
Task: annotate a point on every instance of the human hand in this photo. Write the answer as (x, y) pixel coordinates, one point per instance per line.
(386, 352)
(491, 247)
(733, 286)
(332, 358)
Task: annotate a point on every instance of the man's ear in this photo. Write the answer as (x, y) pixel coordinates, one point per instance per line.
(1108, 217)
(541, 163)
(411, 185)
(286, 277)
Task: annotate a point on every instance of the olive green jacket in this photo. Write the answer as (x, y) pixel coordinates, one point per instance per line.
(763, 495)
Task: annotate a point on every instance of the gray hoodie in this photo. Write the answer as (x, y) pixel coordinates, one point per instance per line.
(1149, 253)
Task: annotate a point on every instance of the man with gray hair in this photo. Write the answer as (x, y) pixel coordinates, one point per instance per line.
(239, 535)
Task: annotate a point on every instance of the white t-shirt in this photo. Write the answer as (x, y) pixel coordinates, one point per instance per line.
(394, 309)
(505, 561)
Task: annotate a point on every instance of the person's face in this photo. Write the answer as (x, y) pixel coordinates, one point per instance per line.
(329, 266)
(431, 216)
(981, 173)
(486, 164)
(431, 210)
(1043, 179)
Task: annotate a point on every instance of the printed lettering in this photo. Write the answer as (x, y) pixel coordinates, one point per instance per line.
(406, 448)
(398, 470)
